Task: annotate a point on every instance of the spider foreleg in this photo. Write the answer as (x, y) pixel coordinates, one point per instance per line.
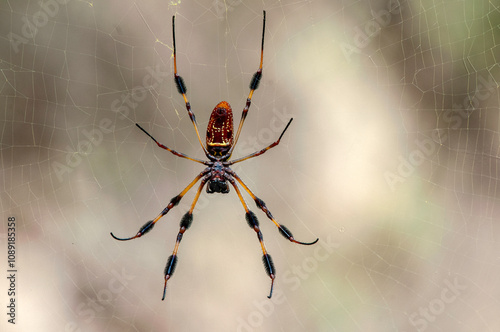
(181, 88)
(185, 223)
(173, 202)
(254, 84)
(258, 153)
(178, 154)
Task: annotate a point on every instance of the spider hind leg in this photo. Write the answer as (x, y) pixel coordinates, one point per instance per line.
(269, 265)
(143, 230)
(253, 223)
(284, 231)
(185, 223)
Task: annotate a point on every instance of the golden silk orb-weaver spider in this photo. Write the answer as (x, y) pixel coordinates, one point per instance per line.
(220, 143)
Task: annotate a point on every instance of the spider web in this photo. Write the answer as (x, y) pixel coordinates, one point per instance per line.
(391, 161)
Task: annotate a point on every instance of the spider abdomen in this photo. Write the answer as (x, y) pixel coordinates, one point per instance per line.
(220, 130)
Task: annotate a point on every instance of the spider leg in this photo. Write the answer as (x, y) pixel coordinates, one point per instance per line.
(253, 222)
(258, 153)
(181, 87)
(178, 154)
(173, 202)
(254, 84)
(186, 221)
(260, 203)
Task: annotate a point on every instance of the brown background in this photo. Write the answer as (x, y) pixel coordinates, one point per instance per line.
(409, 104)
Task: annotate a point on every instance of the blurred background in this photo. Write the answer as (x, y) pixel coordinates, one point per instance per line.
(392, 160)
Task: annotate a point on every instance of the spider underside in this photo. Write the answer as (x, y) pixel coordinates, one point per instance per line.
(220, 143)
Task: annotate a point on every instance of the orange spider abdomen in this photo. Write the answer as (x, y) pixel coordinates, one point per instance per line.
(220, 130)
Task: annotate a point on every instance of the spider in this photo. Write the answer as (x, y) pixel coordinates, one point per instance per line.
(220, 144)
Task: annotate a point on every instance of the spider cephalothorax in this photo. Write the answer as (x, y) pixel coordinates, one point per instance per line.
(217, 174)
(217, 179)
